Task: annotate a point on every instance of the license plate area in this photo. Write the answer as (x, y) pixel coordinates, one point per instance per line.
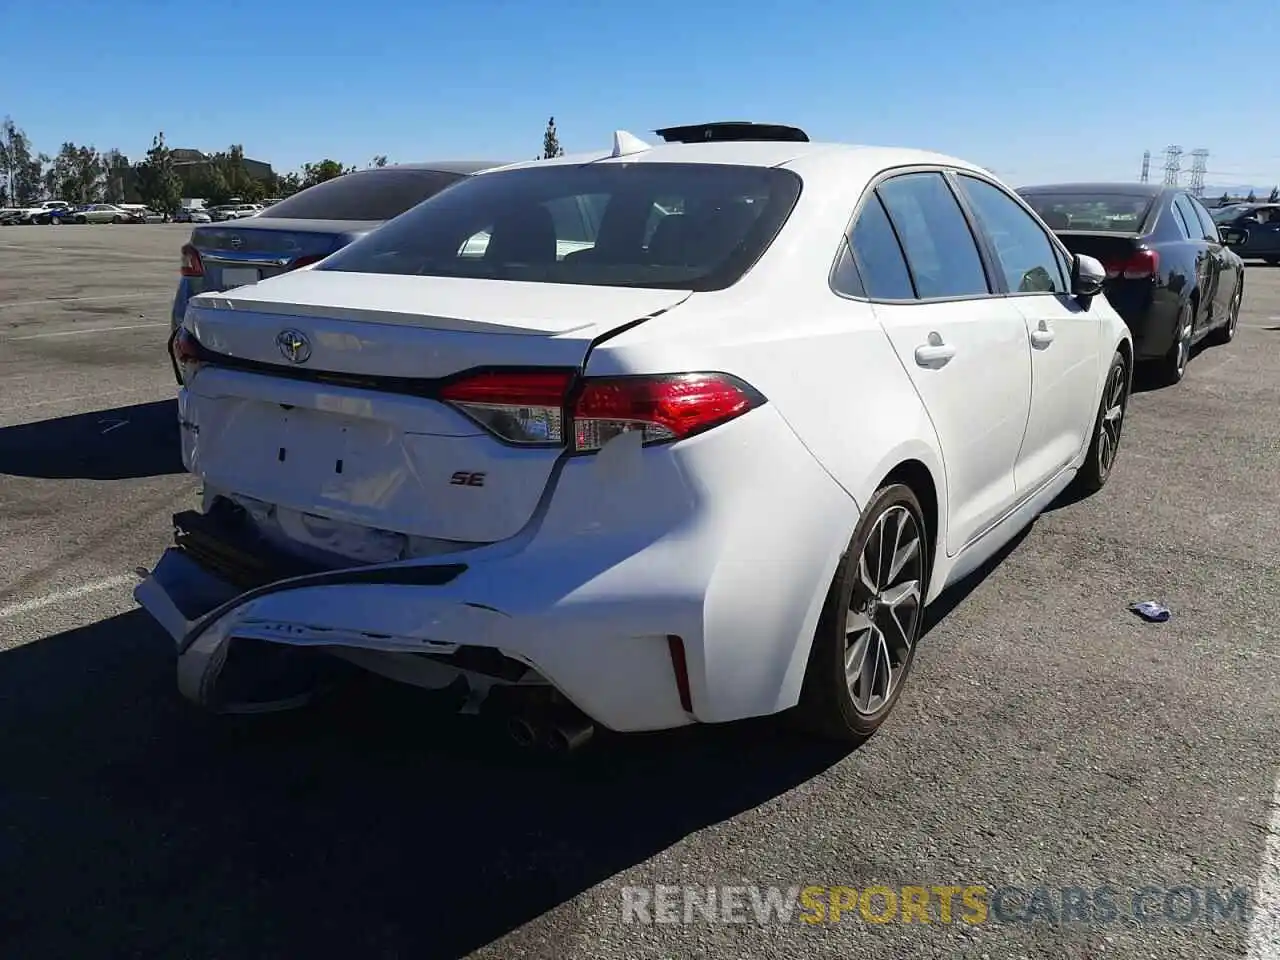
(239, 276)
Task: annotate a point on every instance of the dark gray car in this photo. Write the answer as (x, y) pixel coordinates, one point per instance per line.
(308, 226)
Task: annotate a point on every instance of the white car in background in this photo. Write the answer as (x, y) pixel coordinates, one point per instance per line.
(711, 464)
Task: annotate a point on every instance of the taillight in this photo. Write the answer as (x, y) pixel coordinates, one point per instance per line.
(185, 351)
(664, 408)
(530, 407)
(1141, 266)
(305, 261)
(192, 265)
(517, 406)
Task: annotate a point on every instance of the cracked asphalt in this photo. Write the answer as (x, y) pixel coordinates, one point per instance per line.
(1048, 738)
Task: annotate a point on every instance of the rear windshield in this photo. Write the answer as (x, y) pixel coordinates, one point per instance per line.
(1111, 212)
(667, 225)
(364, 195)
(1227, 214)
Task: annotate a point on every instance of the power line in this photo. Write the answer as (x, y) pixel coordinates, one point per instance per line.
(1200, 159)
(1146, 165)
(1172, 164)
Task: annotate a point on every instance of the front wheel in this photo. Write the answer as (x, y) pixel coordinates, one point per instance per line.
(871, 622)
(1107, 427)
(1227, 332)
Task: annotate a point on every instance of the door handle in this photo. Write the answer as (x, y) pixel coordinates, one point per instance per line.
(1042, 337)
(935, 352)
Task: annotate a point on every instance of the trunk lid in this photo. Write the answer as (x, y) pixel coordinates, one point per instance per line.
(237, 252)
(351, 432)
(1105, 247)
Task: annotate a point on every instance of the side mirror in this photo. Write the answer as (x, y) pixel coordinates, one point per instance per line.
(1087, 276)
(1233, 236)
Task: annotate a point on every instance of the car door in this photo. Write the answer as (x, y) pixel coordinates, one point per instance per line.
(963, 346)
(1206, 275)
(1064, 337)
(1223, 282)
(1266, 232)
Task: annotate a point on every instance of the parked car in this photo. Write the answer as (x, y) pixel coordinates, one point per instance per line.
(192, 215)
(1169, 272)
(690, 472)
(1257, 229)
(42, 213)
(308, 226)
(103, 213)
(234, 211)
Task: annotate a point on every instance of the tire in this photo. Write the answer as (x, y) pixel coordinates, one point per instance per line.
(1173, 367)
(117, 219)
(1108, 425)
(827, 706)
(1271, 261)
(82, 219)
(1227, 332)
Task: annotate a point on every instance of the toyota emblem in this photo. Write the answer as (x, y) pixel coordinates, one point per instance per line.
(294, 346)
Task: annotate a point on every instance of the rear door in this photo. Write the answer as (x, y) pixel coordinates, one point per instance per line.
(1223, 283)
(1205, 273)
(964, 347)
(1064, 337)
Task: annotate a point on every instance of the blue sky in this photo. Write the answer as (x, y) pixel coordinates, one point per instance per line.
(1034, 89)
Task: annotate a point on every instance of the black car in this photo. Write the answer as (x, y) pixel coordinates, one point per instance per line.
(1259, 227)
(1170, 274)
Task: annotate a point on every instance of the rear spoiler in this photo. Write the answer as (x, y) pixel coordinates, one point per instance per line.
(732, 130)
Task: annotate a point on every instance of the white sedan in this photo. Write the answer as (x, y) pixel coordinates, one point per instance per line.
(677, 433)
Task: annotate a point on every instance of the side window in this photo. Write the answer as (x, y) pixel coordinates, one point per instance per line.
(1207, 228)
(845, 278)
(1027, 258)
(1189, 219)
(939, 246)
(878, 256)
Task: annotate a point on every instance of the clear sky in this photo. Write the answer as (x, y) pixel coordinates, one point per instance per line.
(1034, 89)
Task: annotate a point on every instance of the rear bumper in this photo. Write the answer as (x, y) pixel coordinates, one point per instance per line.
(626, 552)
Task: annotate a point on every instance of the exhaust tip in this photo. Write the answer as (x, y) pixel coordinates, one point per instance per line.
(522, 732)
(564, 739)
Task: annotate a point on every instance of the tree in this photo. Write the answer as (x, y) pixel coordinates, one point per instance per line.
(158, 183)
(551, 142)
(77, 174)
(115, 171)
(1251, 198)
(379, 161)
(288, 185)
(1224, 199)
(313, 173)
(1275, 195)
(23, 173)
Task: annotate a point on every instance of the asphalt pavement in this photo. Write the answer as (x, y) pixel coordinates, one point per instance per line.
(1048, 737)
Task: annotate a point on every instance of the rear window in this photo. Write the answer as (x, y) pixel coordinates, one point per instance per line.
(666, 225)
(364, 195)
(1227, 214)
(1109, 212)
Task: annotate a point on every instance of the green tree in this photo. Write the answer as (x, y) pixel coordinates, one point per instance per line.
(239, 182)
(23, 172)
(1275, 195)
(313, 173)
(1224, 199)
(288, 185)
(551, 142)
(77, 174)
(1251, 198)
(379, 161)
(158, 182)
(115, 172)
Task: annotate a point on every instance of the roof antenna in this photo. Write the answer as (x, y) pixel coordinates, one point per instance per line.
(625, 144)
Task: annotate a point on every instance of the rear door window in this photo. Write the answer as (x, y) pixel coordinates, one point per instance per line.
(1187, 212)
(878, 256)
(940, 248)
(378, 194)
(1208, 229)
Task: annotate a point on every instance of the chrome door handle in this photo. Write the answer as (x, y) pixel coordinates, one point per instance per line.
(1042, 337)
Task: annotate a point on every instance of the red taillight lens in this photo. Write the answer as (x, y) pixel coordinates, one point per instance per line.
(192, 265)
(665, 408)
(185, 350)
(305, 261)
(1141, 266)
(517, 406)
(529, 407)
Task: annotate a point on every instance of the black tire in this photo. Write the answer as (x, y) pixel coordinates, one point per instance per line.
(117, 219)
(82, 219)
(1227, 332)
(1173, 366)
(1107, 428)
(827, 707)
(1271, 261)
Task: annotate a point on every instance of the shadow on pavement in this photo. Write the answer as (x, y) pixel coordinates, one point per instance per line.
(135, 441)
(371, 826)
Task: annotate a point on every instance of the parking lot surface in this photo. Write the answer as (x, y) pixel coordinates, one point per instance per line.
(1047, 738)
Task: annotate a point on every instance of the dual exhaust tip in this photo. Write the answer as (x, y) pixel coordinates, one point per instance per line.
(559, 733)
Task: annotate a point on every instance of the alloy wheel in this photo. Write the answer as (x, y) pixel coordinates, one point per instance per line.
(1115, 398)
(884, 611)
(1184, 346)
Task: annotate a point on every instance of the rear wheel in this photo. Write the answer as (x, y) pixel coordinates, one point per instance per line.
(1107, 427)
(1173, 367)
(867, 633)
(1271, 261)
(117, 219)
(1227, 332)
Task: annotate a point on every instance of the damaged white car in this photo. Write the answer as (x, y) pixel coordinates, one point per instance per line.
(692, 433)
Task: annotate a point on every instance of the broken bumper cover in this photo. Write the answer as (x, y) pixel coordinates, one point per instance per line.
(618, 559)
